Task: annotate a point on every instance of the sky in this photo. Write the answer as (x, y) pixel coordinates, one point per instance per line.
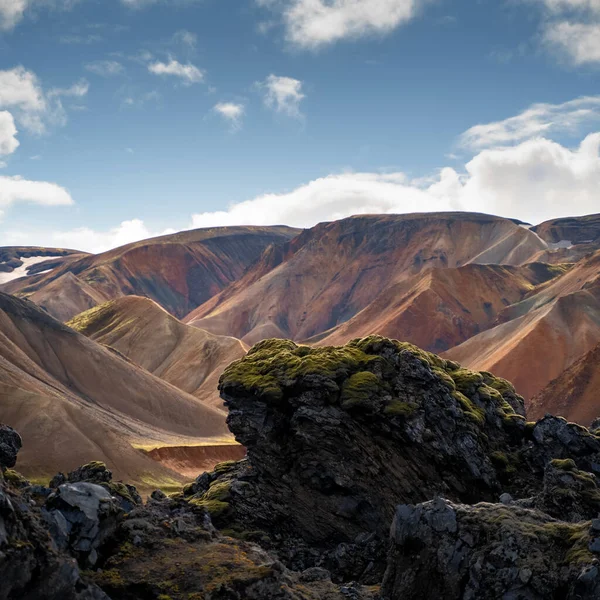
(124, 119)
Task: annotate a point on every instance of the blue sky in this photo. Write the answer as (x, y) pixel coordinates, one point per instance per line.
(137, 117)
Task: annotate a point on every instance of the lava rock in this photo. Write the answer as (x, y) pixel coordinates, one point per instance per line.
(10, 444)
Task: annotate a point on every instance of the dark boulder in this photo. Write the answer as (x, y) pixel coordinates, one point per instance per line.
(452, 551)
(10, 444)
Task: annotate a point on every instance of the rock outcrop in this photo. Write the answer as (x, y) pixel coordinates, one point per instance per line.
(374, 471)
(444, 550)
(32, 565)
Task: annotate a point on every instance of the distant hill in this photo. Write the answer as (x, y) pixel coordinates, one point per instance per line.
(74, 400)
(185, 356)
(328, 274)
(536, 339)
(179, 271)
(575, 393)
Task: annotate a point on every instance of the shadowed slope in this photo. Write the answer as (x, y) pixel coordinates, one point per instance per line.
(178, 271)
(575, 394)
(329, 273)
(74, 400)
(540, 337)
(441, 308)
(185, 356)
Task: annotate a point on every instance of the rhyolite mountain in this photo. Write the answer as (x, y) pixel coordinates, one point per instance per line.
(187, 357)
(328, 274)
(74, 400)
(375, 471)
(536, 339)
(575, 393)
(441, 308)
(179, 271)
(489, 291)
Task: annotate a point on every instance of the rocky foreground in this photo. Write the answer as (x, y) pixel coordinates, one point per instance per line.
(374, 471)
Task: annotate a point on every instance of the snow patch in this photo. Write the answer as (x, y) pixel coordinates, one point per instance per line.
(22, 271)
(560, 245)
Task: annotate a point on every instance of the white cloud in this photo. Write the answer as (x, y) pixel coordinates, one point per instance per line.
(561, 6)
(315, 23)
(580, 42)
(11, 12)
(22, 93)
(538, 120)
(8, 134)
(536, 180)
(188, 73)
(105, 68)
(85, 238)
(283, 94)
(571, 29)
(91, 38)
(77, 90)
(185, 38)
(16, 189)
(231, 112)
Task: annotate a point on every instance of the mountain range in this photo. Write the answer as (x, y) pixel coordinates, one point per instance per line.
(125, 348)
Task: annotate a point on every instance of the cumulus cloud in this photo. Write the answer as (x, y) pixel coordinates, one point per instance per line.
(232, 112)
(538, 120)
(315, 23)
(283, 94)
(188, 73)
(8, 134)
(571, 29)
(536, 180)
(11, 12)
(580, 42)
(21, 92)
(105, 68)
(16, 189)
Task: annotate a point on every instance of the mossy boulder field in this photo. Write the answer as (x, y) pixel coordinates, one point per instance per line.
(374, 470)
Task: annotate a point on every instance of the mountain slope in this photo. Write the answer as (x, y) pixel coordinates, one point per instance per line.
(575, 394)
(441, 308)
(178, 271)
(540, 337)
(74, 400)
(329, 273)
(187, 357)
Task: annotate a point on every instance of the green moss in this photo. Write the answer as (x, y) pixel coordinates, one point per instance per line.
(497, 383)
(445, 378)
(505, 464)
(396, 408)
(567, 464)
(15, 478)
(95, 465)
(471, 411)
(360, 389)
(225, 466)
(273, 365)
(467, 381)
(215, 508)
(117, 488)
(219, 490)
